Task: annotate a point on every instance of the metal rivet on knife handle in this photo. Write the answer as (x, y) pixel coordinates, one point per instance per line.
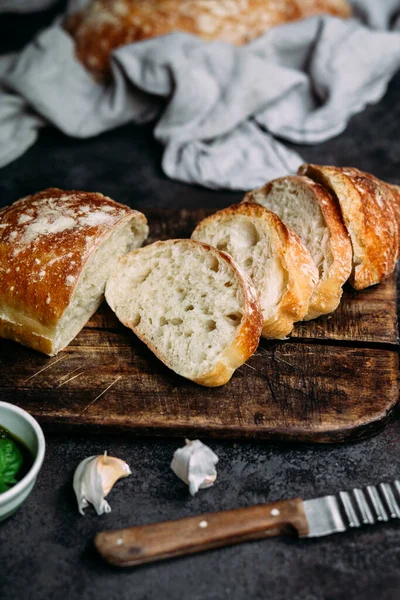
(377, 505)
(349, 509)
(312, 518)
(158, 541)
(363, 507)
(390, 499)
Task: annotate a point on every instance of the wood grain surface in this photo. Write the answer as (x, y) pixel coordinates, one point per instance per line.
(158, 541)
(335, 380)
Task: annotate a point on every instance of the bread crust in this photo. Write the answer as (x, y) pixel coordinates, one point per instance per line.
(328, 291)
(301, 272)
(248, 335)
(395, 190)
(46, 240)
(369, 215)
(104, 26)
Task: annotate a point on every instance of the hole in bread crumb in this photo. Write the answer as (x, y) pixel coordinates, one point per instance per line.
(136, 320)
(210, 325)
(203, 295)
(176, 321)
(228, 284)
(248, 262)
(222, 246)
(163, 321)
(141, 278)
(214, 266)
(249, 234)
(180, 290)
(234, 317)
(188, 308)
(188, 333)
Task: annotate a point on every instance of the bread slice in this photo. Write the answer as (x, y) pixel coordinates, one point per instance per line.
(57, 249)
(272, 255)
(370, 218)
(313, 213)
(192, 306)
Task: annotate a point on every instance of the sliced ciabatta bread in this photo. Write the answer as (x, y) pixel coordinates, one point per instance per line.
(279, 265)
(313, 213)
(370, 218)
(192, 306)
(57, 249)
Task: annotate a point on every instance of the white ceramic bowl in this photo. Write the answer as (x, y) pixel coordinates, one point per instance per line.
(24, 427)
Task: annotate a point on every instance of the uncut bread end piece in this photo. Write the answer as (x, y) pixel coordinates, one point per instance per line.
(57, 249)
(369, 214)
(314, 214)
(272, 255)
(191, 305)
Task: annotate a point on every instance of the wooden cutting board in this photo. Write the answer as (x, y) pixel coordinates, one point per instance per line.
(334, 380)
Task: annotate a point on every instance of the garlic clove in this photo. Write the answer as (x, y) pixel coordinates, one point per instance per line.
(111, 469)
(94, 479)
(195, 465)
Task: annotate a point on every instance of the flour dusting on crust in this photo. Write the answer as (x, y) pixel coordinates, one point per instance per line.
(45, 240)
(105, 25)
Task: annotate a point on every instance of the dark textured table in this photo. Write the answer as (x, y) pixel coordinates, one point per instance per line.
(46, 547)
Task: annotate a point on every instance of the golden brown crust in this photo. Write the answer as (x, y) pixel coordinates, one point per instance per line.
(328, 291)
(106, 25)
(248, 336)
(368, 213)
(46, 240)
(395, 189)
(301, 272)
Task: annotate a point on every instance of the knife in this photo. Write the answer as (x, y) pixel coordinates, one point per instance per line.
(306, 518)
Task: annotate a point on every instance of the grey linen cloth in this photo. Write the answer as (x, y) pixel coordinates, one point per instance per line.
(219, 109)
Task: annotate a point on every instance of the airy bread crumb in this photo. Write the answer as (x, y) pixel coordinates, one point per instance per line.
(191, 305)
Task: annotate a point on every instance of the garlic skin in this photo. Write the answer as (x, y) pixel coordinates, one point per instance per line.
(195, 465)
(94, 478)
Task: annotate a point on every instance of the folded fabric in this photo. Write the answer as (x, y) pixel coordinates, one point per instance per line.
(220, 108)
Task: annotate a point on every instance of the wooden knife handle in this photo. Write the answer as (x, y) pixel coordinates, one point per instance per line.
(158, 541)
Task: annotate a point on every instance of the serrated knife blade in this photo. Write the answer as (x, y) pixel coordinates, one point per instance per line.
(309, 519)
(349, 510)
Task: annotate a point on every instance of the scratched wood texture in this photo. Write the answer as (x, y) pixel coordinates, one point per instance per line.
(335, 380)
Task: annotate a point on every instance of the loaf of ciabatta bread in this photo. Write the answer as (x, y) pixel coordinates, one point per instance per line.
(191, 305)
(272, 255)
(104, 25)
(369, 213)
(314, 214)
(57, 249)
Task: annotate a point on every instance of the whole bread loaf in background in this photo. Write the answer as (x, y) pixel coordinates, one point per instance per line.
(109, 24)
(192, 306)
(57, 249)
(370, 213)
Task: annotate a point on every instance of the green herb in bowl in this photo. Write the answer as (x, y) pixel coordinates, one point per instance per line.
(26, 434)
(15, 460)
